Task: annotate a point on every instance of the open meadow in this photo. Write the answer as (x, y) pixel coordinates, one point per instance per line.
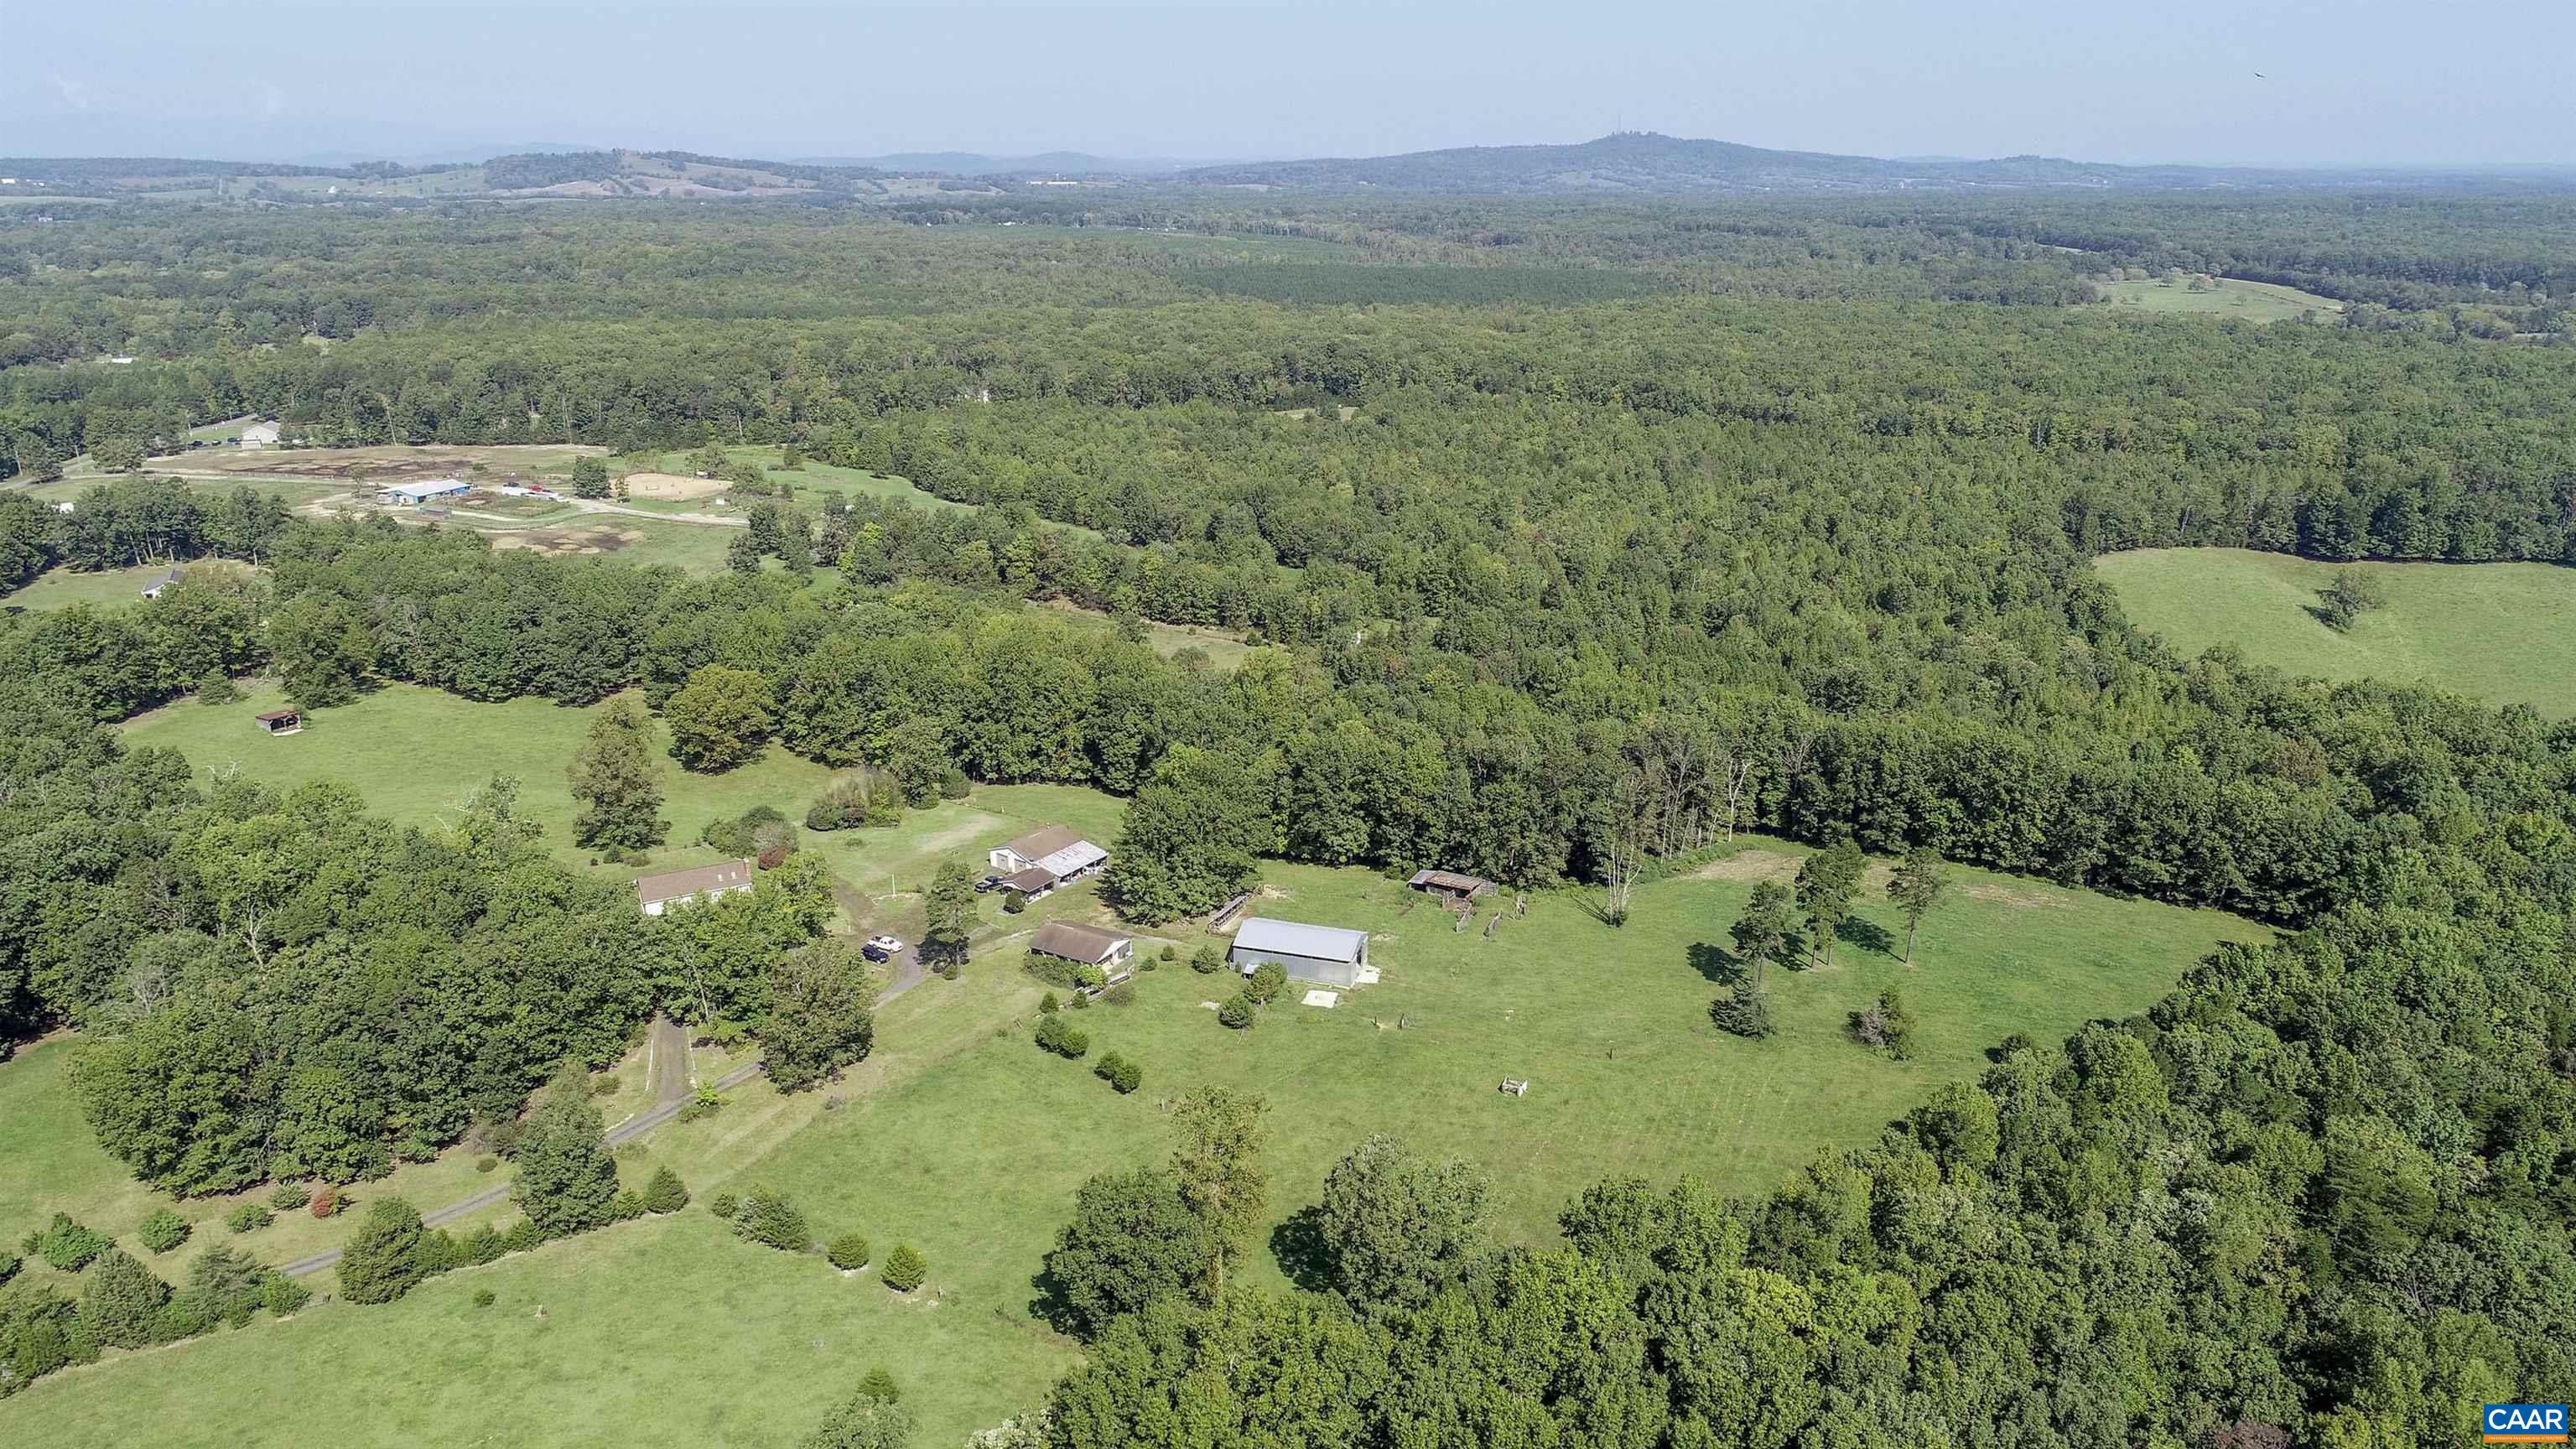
(2504, 633)
(960, 1137)
(2217, 297)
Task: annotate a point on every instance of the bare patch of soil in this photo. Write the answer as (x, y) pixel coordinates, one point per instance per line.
(1754, 865)
(672, 487)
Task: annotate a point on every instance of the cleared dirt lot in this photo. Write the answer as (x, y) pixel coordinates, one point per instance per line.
(673, 487)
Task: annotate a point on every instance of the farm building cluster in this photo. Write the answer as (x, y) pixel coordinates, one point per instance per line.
(1042, 861)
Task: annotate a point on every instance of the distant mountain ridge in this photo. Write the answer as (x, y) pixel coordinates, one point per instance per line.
(1044, 163)
(1646, 161)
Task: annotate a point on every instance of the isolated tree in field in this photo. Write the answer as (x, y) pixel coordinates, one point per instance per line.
(120, 1299)
(848, 1251)
(665, 1194)
(1401, 1227)
(905, 1269)
(617, 780)
(2352, 594)
(566, 1177)
(1218, 1163)
(950, 902)
(1917, 886)
(820, 1013)
(768, 1217)
(1827, 884)
(1886, 1024)
(1761, 934)
(384, 1256)
(589, 477)
(870, 1420)
(720, 718)
(1133, 1238)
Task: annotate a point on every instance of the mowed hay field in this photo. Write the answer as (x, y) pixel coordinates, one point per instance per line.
(2504, 633)
(960, 1137)
(2223, 297)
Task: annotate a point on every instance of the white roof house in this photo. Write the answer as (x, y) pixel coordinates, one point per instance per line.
(1056, 850)
(427, 489)
(259, 435)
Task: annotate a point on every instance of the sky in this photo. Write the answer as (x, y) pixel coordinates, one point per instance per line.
(2257, 82)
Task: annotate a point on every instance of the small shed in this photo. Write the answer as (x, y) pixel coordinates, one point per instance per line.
(1090, 946)
(1450, 886)
(279, 722)
(1325, 955)
(166, 578)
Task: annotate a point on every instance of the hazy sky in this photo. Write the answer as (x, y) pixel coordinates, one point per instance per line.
(2348, 81)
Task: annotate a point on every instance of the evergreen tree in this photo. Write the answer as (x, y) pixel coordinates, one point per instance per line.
(1827, 883)
(384, 1257)
(589, 477)
(664, 1194)
(615, 778)
(121, 1301)
(565, 1178)
(868, 1421)
(1761, 934)
(768, 1218)
(848, 1251)
(951, 906)
(162, 1230)
(905, 1268)
(1917, 886)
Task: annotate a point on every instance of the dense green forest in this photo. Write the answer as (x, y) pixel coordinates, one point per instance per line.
(1796, 539)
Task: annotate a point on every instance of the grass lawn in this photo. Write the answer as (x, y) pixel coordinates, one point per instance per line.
(2253, 301)
(2501, 632)
(1225, 650)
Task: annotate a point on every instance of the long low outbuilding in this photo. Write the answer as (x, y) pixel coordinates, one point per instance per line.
(1325, 955)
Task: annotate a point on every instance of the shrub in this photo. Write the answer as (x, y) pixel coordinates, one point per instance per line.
(326, 1200)
(1090, 978)
(523, 1235)
(1079, 1002)
(1207, 960)
(1119, 1072)
(625, 1207)
(1170, 952)
(605, 1087)
(724, 1205)
(1886, 1025)
(385, 1255)
(955, 787)
(483, 1245)
(705, 1102)
(66, 1244)
(282, 1295)
(1266, 982)
(249, 1217)
(1122, 994)
(486, 1164)
(483, 1297)
(767, 1217)
(1060, 1036)
(286, 1197)
(216, 688)
(905, 1268)
(880, 1385)
(1013, 902)
(1742, 1010)
(224, 1286)
(162, 1230)
(1053, 970)
(1237, 1012)
(848, 1251)
(1048, 1005)
(665, 1194)
(9, 1265)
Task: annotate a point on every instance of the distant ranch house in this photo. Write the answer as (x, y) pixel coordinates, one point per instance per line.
(1113, 953)
(413, 495)
(1044, 859)
(654, 893)
(258, 436)
(1325, 955)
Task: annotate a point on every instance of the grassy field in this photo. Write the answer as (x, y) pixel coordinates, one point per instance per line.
(2253, 301)
(2504, 632)
(961, 1138)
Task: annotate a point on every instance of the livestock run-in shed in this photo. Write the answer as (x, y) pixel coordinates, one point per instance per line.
(278, 722)
(1325, 955)
(1449, 885)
